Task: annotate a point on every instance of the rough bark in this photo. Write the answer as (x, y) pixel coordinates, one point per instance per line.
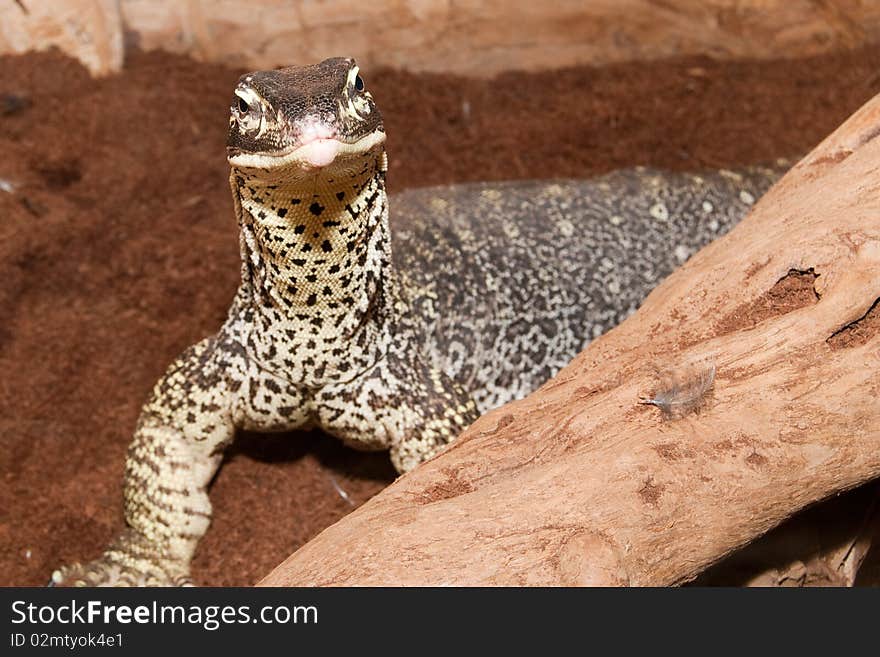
(581, 484)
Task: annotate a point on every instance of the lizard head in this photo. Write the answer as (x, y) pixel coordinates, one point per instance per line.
(298, 120)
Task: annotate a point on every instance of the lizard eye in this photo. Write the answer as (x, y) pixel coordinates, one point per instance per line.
(359, 83)
(243, 107)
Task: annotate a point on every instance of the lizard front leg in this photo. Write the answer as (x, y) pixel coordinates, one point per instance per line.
(436, 410)
(177, 448)
(402, 404)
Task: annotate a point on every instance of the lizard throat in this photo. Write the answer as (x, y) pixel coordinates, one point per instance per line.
(316, 255)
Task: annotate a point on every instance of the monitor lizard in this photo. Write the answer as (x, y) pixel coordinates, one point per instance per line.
(484, 293)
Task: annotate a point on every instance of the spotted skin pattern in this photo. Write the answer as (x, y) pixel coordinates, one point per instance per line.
(506, 282)
(489, 290)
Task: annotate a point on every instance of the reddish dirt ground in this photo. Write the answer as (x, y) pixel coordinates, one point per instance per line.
(118, 249)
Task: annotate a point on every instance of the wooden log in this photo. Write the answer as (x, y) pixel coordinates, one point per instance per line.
(581, 484)
(829, 544)
(491, 36)
(471, 38)
(90, 30)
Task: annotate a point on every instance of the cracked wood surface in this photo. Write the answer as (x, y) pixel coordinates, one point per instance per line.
(580, 484)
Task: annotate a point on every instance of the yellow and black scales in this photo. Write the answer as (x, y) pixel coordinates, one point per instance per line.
(489, 289)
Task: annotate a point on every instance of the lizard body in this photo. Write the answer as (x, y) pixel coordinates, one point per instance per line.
(489, 290)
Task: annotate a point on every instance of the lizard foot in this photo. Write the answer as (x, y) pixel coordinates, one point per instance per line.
(110, 572)
(123, 564)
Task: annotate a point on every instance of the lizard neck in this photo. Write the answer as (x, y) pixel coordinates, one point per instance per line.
(316, 263)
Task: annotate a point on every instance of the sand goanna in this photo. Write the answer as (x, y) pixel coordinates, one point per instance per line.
(489, 289)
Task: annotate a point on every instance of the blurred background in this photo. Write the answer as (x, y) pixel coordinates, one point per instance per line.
(118, 245)
(473, 37)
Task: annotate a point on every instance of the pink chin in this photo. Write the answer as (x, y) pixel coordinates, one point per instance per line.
(321, 152)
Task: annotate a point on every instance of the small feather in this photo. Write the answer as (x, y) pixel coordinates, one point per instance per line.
(341, 492)
(683, 393)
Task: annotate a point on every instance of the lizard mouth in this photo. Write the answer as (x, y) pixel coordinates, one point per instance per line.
(319, 152)
(315, 153)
